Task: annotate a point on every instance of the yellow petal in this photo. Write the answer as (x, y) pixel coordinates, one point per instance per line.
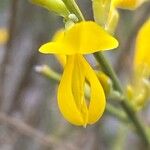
(71, 100)
(83, 38)
(105, 82)
(78, 88)
(88, 37)
(129, 4)
(105, 14)
(142, 53)
(101, 10)
(66, 100)
(54, 48)
(59, 35)
(56, 6)
(97, 98)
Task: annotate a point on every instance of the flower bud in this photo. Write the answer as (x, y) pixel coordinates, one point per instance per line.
(56, 6)
(105, 14)
(101, 10)
(138, 93)
(112, 21)
(105, 82)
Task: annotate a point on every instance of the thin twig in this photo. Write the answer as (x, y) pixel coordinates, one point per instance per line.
(27, 130)
(120, 115)
(124, 102)
(31, 132)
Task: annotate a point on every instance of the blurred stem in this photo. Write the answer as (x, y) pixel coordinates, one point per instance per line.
(48, 72)
(107, 68)
(124, 102)
(120, 138)
(120, 115)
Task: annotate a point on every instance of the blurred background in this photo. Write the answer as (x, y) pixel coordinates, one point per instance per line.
(29, 115)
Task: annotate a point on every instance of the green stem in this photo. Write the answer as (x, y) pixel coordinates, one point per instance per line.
(106, 67)
(73, 8)
(120, 115)
(124, 102)
(122, 133)
(48, 72)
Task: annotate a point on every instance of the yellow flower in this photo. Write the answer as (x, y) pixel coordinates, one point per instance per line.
(60, 57)
(128, 4)
(3, 36)
(142, 53)
(138, 93)
(139, 90)
(81, 38)
(105, 82)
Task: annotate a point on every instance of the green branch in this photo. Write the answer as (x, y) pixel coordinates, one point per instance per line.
(120, 115)
(124, 102)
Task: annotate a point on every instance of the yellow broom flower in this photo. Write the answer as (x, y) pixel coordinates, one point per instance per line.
(142, 53)
(81, 38)
(139, 91)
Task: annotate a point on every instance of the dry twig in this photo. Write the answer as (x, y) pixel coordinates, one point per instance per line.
(31, 132)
